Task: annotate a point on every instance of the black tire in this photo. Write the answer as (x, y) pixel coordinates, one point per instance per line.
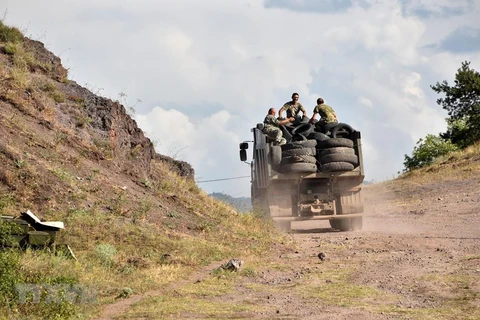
(318, 136)
(297, 121)
(357, 223)
(298, 137)
(303, 128)
(336, 166)
(299, 168)
(276, 157)
(334, 223)
(299, 152)
(297, 159)
(299, 144)
(328, 151)
(335, 142)
(342, 130)
(344, 224)
(305, 119)
(340, 157)
(285, 133)
(325, 128)
(347, 224)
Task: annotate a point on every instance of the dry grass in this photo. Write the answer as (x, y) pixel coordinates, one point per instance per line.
(458, 165)
(145, 236)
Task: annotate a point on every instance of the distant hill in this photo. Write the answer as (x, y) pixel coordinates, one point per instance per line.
(241, 204)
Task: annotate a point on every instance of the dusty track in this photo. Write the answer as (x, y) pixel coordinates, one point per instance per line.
(418, 257)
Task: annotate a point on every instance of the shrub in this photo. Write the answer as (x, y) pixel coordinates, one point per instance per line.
(58, 96)
(10, 34)
(427, 150)
(106, 253)
(9, 266)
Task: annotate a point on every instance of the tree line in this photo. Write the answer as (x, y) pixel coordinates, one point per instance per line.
(462, 101)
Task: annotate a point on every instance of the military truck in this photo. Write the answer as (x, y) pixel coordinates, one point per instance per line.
(316, 176)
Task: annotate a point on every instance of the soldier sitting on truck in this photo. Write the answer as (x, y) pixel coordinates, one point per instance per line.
(327, 114)
(271, 127)
(292, 107)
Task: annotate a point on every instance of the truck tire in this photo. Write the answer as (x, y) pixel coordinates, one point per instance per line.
(305, 119)
(303, 128)
(283, 226)
(340, 157)
(318, 136)
(299, 168)
(336, 150)
(344, 224)
(325, 128)
(298, 137)
(354, 224)
(335, 142)
(297, 159)
(342, 130)
(299, 152)
(334, 223)
(276, 157)
(285, 133)
(299, 144)
(336, 166)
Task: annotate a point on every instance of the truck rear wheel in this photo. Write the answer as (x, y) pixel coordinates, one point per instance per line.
(357, 223)
(354, 224)
(334, 224)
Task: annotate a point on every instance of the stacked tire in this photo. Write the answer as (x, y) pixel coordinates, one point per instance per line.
(334, 148)
(298, 157)
(336, 154)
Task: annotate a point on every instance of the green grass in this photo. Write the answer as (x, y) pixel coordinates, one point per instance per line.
(199, 298)
(146, 237)
(10, 34)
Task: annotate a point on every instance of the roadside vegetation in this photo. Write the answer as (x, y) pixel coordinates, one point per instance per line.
(130, 231)
(462, 101)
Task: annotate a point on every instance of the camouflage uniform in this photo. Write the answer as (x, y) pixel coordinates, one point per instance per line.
(326, 113)
(272, 130)
(293, 109)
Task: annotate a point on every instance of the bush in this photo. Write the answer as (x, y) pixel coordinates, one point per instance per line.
(9, 266)
(427, 150)
(106, 254)
(10, 34)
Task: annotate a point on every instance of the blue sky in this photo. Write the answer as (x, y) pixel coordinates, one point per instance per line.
(207, 71)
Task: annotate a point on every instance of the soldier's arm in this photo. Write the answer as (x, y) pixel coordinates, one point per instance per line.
(286, 121)
(281, 111)
(314, 114)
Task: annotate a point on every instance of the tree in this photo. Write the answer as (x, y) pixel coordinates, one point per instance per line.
(462, 102)
(427, 150)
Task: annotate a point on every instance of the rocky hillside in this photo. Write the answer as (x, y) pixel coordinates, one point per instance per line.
(134, 218)
(54, 131)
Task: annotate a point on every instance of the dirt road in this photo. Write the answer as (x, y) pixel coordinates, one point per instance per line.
(418, 257)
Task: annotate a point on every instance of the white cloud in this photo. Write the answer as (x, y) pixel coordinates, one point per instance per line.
(207, 71)
(365, 101)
